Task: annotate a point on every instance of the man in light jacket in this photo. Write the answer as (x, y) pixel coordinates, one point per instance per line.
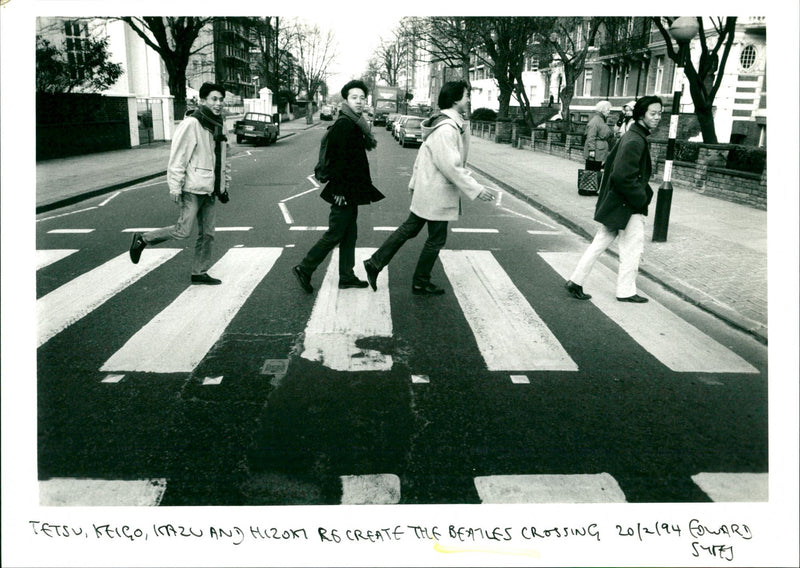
(191, 180)
(437, 183)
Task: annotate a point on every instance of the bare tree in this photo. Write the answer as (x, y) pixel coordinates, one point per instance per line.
(315, 51)
(705, 78)
(173, 38)
(506, 44)
(570, 38)
(389, 59)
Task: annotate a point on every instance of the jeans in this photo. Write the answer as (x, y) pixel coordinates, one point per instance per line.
(193, 206)
(437, 236)
(342, 231)
(631, 245)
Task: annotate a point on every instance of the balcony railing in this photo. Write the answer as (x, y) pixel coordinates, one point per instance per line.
(624, 46)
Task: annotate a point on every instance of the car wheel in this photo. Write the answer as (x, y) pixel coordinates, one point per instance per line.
(239, 138)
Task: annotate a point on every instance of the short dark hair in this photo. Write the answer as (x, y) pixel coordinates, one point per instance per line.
(451, 93)
(642, 104)
(354, 84)
(206, 88)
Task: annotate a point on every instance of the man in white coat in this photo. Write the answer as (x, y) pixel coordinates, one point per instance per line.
(436, 185)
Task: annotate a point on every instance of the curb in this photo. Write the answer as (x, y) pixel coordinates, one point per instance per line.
(94, 193)
(709, 305)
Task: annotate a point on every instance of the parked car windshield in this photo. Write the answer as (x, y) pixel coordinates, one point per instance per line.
(413, 123)
(255, 117)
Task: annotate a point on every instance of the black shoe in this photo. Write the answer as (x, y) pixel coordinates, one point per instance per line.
(205, 279)
(137, 246)
(427, 290)
(303, 278)
(372, 274)
(636, 299)
(353, 282)
(576, 291)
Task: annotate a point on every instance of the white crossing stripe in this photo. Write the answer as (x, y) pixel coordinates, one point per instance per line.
(72, 301)
(231, 229)
(673, 341)
(178, 338)
(139, 229)
(734, 487)
(69, 492)
(217, 229)
(46, 257)
(579, 488)
(520, 379)
(388, 229)
(341, 317)
(113, 379)
(303, 228)
(379, 489)
(465, 230)
(510, 334)
(70, 231)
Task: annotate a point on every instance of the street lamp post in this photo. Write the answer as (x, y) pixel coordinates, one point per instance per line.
(682, 31)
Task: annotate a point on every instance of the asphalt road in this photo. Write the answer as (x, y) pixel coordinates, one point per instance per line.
(438, 402)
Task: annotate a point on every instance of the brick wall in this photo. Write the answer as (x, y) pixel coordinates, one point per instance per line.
(707, 176)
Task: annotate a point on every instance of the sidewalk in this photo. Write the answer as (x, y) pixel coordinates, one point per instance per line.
(715, 255)
(716, 251)
(65, 181)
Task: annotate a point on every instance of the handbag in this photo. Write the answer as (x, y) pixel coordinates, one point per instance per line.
(589, 178)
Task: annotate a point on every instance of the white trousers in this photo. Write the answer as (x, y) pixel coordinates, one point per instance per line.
(631, 245)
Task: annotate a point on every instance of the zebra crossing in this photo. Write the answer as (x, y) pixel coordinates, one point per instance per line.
(386, 489)
(507, 330)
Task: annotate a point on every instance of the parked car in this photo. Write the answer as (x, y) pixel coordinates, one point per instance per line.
(327, 112)
(390, 118)
(397, 124)
(411, 132)
(257, 127)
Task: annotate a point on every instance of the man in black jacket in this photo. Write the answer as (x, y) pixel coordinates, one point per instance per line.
(350, 185)
(622, 205)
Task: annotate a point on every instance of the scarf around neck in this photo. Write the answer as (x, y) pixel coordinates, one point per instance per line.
(208, 119)
(369, 139)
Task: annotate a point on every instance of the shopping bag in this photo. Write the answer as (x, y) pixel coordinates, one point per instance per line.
(588, 182)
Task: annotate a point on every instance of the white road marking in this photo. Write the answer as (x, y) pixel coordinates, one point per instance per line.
(217, 229)
(109, 199)
(420, 379)
(676, 343)
(298, 194)
(70, 231)
(232, 229)
(178, 338)
(377, 489)
(465, 230)
(544, 232)
(113, 379)
(734, 487)
(341, 317)
(212, 381)
(314, 181)
(139, 230)
(69, 492)
(66, 214)
(581, 488)
(45, 257)
(520, 379)
(305, 228)
(510, 334)
(286, 215)
(72, 301)
(384, 228)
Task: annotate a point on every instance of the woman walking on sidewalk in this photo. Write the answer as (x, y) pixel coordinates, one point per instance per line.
(622, 205)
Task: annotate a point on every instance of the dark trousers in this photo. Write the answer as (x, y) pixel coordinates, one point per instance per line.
(437, 236)
(342, 231)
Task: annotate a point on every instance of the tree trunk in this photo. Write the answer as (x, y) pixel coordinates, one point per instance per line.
(707, 128)
(177, 86)
(566, 100)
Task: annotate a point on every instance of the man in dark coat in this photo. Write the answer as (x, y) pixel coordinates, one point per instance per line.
(350, 185)
(622, 205)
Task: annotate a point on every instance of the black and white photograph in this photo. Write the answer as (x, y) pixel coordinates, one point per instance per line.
(354, 284)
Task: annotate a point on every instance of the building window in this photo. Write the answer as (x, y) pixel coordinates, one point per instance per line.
(659, 74)
(77, 44)
(626, 79)
(748, 57)
(532, 63)
(587, 82)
